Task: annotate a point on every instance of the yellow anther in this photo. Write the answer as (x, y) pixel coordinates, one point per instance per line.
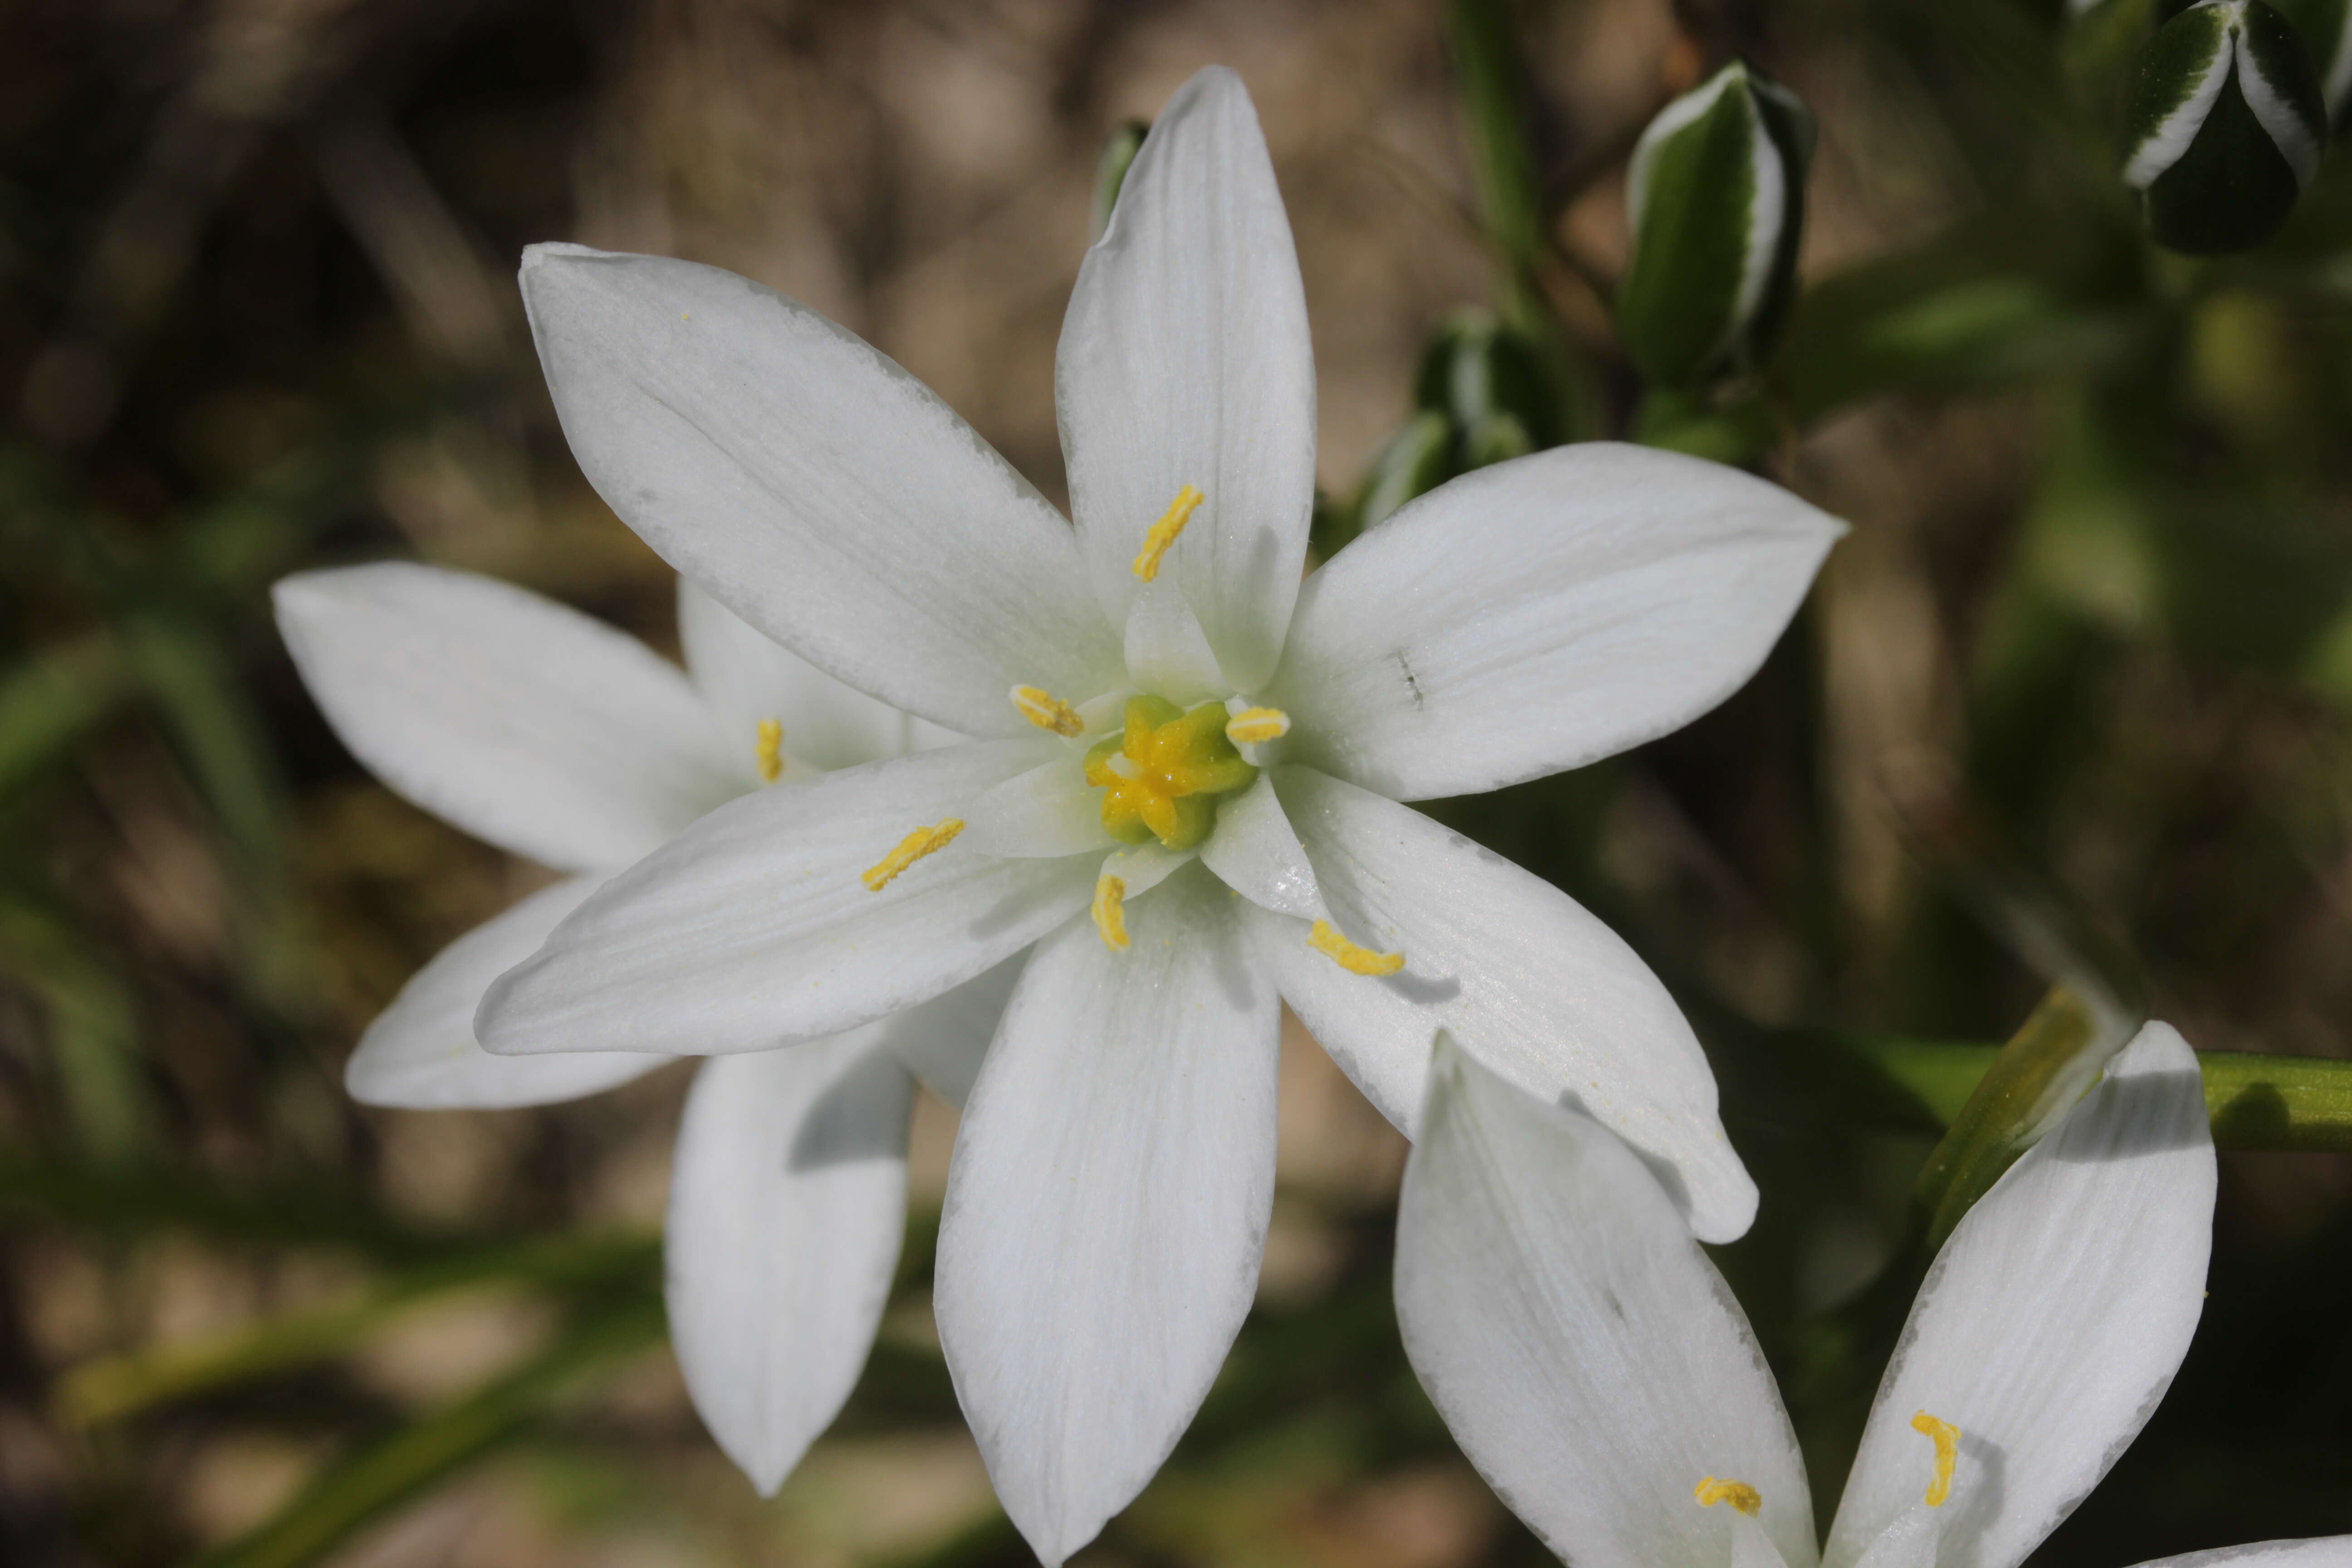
(1255, 726)
(1110, 911)
(1738, 1494)
(1356, 959)
(771, 751)
(1948, 1454)
(914, 847)
(1047, 711)
(1163, 532)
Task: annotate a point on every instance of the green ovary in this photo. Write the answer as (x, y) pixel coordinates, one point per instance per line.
(1160, 778)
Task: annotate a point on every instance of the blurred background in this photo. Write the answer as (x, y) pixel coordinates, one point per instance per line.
(2089, 648)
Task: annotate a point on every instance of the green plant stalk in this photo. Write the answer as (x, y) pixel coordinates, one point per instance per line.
(350, 1494)
(1491, 85)
(2258, 1103)
(115, 1386)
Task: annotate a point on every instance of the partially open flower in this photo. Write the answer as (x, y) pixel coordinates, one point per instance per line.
(2226, 123)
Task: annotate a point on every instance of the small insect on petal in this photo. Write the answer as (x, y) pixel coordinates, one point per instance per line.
(1163, 533)
(771, 751)
(1946, 1438)
(1738, 1494)
(1110, 912)
(914, 847)
(1047, 711)
(1350, 956)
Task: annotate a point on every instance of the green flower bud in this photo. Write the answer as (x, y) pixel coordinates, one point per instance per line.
(1118, 152)
(1716, 189)
(2225, 126)
(2325, 28)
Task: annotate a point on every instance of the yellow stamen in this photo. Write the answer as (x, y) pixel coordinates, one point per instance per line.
(1738, 1494)
(1948, 1454)
(1255, 726)
(914, 847)
(772, 751)
(1047, 711)
(1110, 911)
(1163, 532)
(1356, 959)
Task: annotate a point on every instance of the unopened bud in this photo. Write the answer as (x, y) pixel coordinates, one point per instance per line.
(1717, 198)
(2225, 127)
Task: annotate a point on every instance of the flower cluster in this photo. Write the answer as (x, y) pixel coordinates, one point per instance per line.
(1057, 814)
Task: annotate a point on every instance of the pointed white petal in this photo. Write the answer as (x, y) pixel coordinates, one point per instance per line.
(1106, 1206)
(1527, 980)
(2320, 1551)
(1184, 360)
(814, 487)
(754, 926)
(1589, 1359)
(1047, 811)
(1256, 853)
(943, 1041)
(788, 1197)
(747, 679)
(2053, 1319)
(1167, 650)
(420, 1053)
(523, 721)
(1540, 614)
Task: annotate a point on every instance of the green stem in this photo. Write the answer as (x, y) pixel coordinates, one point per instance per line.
(116, 1387)
(2261, 1104)
(350, 1494)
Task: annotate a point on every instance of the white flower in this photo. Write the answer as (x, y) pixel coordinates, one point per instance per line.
(556, 737)
(1598, 1372)
(1185, 788)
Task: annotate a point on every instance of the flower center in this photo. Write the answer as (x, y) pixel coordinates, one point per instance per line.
(1162, 776)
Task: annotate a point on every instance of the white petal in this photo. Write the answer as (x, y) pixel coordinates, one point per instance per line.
(1527, 981)
(1143, 867)
(1167, 650)
(753, 927)
(1047, 811)
(511, 716)
(1106, 1208)
(1185, 361)
(1588, 1357)
(943, 1041)
(420, 1053)
(814, 487)
(2320, 1551)
(1540, 614)
(2053, 1319)
(1256, 853)
(747, 679)
(788, 1197)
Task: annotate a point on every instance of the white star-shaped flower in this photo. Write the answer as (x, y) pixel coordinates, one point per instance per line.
(559, 738)
(1597, 1370)
(1184, 782)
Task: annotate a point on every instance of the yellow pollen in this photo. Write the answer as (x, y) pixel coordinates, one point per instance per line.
(1948, 1454)
(1110, 911)
(1356, 959)
(1047, 711)
(1255, 726)
(914, 847)
(1163, 532)
(1738, 1494)
(772, 751)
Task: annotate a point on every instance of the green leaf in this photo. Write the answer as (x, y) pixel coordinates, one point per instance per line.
(358, 1489)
